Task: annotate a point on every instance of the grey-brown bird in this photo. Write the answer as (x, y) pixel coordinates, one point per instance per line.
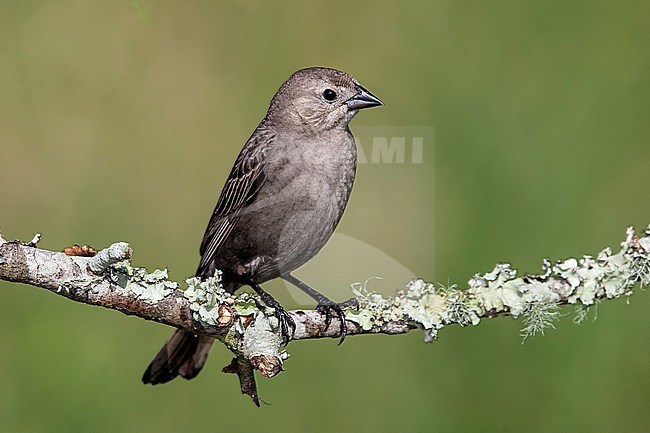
(281, 203)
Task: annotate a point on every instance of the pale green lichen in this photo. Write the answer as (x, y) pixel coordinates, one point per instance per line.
(374, 309)
(537, 297)
(499, 290)
(205, 296)
(247, 305)
(420, 302)
(461, 307)
(538, 317)
(259, 337)
(581, 314)
(150, 287)
(639, 270)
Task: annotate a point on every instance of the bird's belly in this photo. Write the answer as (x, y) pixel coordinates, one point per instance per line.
(283, 229)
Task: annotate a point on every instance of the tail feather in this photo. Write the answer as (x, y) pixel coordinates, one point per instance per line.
(195, 363)
(183, 354)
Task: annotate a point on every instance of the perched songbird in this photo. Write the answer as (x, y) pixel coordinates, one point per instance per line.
(282, 201)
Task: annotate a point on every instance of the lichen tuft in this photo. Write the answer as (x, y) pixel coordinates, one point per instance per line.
(150, 287)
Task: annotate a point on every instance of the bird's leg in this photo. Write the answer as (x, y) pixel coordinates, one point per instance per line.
(325, 305)
(285, 321)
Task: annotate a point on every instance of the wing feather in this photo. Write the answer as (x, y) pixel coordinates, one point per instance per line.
(243, 183)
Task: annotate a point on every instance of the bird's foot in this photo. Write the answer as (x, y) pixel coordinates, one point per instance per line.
(285, 323)
(330, 309)
(325, 306)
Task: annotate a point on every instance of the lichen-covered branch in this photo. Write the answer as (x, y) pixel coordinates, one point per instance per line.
(537, 298)
(249, 329)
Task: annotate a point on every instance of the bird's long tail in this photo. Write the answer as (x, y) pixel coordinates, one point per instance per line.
(183, 354)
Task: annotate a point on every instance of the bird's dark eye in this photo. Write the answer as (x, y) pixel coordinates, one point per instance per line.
(329, 95)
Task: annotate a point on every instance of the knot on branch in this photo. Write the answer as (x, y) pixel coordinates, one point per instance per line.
(117, 252)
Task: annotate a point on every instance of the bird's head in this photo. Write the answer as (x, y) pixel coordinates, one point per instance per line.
(319, 99)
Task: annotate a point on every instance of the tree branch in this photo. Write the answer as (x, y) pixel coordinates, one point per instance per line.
(249, 329)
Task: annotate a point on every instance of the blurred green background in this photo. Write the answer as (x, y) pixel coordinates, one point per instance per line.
(120, 121)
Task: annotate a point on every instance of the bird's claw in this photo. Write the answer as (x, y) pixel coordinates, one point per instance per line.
(327, 309)
(285, 321)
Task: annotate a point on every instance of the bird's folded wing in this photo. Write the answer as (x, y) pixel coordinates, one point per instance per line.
(245, 180)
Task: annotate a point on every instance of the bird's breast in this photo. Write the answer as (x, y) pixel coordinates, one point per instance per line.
(306, 189)
(316, 173)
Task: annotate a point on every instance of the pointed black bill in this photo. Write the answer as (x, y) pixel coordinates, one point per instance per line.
(363, 99)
